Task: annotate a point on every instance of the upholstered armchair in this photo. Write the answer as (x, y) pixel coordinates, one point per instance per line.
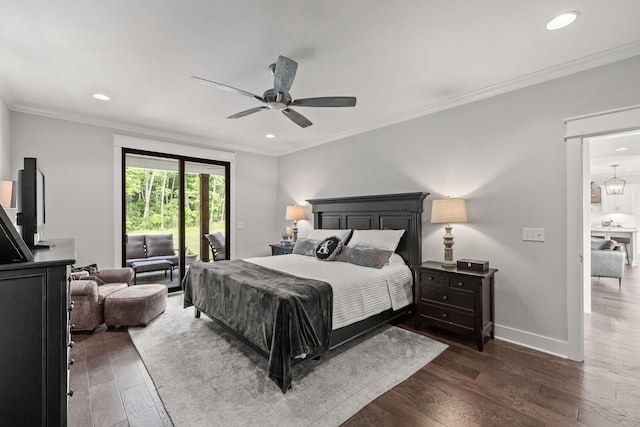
(607, 259)
(88, 295)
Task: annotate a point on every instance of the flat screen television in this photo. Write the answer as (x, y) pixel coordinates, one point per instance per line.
(31, 204)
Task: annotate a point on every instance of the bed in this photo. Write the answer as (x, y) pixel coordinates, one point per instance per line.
(284, 307)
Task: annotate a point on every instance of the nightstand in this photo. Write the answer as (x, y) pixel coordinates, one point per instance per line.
(460, 301)
(278, 249)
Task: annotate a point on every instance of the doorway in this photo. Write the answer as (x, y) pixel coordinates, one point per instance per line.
(578, 130)
(176, 199)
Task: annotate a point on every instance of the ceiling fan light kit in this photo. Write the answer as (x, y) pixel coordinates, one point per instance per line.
(278, 98)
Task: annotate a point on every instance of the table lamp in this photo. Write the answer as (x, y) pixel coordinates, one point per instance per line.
(295, 213)
(448, 211)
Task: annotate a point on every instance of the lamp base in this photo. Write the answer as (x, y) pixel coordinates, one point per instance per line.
(448, 264)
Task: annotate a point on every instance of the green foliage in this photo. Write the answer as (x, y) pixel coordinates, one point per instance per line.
(152, 202)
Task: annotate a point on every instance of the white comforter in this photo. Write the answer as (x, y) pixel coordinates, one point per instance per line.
(358, 292)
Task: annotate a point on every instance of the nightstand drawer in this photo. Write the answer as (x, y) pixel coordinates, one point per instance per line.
(450, 298)
(462, 283)
(447, 315)
(281, 249)
(434, 280)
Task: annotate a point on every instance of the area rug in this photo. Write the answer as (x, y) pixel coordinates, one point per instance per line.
(206, 376)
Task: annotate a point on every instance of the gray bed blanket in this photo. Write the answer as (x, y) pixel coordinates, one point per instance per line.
(283, 315)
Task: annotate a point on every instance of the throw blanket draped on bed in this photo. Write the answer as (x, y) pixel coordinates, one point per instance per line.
(283, 315)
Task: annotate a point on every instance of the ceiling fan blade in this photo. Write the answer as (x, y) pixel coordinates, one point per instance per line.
(326, 101)
(247, 112)
(297, 118)
(284, 74)
(227, 88)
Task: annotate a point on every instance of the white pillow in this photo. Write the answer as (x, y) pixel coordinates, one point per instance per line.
(321, 234)
(380, 239)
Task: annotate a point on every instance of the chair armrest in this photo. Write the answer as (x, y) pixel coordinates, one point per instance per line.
(116, 275)
(85, 288)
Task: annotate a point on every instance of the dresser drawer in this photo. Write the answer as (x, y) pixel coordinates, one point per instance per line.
(432, 279)
(444, 314)
(450, 298)
(461, 283)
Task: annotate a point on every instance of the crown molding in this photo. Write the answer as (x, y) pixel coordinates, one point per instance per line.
(572, 67)
(581, 64)
(129, 127)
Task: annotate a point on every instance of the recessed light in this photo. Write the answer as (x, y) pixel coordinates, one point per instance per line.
(270, 136)
(562, 21)
(100, 96)
(622, 149)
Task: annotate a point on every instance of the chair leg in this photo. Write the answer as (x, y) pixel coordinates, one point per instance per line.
(619, 282)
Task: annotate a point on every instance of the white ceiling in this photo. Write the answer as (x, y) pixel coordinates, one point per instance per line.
(621, 149)
(400, 59)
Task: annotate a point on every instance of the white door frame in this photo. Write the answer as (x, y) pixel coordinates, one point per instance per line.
(578, 130)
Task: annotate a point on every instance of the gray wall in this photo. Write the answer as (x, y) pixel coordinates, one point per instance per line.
(5, 143)
(506, 156)
(78, 162)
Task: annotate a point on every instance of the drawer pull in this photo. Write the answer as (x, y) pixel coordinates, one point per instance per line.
(445, 297)
(70, 307)
(445, 315)
(431, 278)
(70, 344)
(460, 284)
(71, 362)
(70, 393)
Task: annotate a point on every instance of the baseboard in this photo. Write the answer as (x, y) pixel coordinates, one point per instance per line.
(541, 343)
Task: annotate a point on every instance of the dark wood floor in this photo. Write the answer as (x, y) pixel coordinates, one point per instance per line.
(506, 385)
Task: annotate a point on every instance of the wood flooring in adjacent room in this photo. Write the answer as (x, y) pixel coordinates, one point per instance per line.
(506, 385)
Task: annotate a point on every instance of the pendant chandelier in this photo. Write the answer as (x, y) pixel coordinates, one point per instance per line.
(614, 185)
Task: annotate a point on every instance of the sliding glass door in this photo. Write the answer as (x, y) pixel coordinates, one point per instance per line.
(171, 199)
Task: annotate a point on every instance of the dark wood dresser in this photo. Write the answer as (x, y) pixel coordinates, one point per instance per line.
(457, 300)
(35, 337)
(278, 249)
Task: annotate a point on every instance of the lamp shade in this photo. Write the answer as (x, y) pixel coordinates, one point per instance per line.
(448, 210)
(295, 213)
(8, 194)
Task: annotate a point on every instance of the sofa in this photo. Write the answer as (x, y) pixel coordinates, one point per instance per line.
(88, 292)
(150, 247)
(607, 259)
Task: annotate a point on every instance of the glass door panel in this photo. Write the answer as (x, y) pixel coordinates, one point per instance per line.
(205, 209)
(151, 207)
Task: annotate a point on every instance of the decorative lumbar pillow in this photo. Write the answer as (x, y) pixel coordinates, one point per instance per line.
(366, 257)
(329, 248)
(305, 247)
(379, 239)
(321, 234)
(91, 269)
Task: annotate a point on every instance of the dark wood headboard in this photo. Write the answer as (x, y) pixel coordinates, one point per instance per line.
(383, 212)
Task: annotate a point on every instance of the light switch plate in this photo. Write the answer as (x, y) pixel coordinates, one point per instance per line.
(533, 234)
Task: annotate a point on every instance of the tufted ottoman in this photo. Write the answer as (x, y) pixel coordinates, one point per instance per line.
(135, 305)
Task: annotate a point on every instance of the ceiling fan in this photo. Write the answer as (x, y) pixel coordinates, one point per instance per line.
(279, 98)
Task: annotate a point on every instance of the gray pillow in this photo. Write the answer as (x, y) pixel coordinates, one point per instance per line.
(305, 247)
(366, 257)
(602, 244)
(159, 244)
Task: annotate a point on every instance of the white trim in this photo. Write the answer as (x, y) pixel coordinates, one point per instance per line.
(533, 341)
(124, 141)
(576, 132)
